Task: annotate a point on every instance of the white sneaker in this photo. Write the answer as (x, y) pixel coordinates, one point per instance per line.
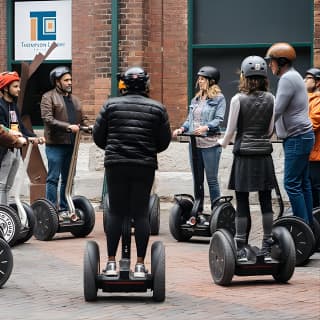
(111, 269)
(139, 271)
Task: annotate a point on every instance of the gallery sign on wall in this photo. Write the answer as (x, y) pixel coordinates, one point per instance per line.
(39, 23)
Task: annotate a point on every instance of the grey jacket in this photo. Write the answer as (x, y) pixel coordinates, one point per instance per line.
(291, 106)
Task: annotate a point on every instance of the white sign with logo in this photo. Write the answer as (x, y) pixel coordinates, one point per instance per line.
(39, 23)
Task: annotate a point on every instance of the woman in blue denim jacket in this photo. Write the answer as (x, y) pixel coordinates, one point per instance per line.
(206, 113)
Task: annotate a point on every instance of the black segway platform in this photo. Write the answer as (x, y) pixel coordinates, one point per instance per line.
(224, 264)
(125, 280)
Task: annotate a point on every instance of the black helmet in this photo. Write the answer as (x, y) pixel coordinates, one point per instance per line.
(210, 73)
(136, 79)
(57, 73)
(315, 72)
(254, 66)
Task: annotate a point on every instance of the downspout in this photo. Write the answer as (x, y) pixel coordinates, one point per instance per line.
(114, 47)
(10, 31)
(190, 47)
(114, 71)
(162, 58)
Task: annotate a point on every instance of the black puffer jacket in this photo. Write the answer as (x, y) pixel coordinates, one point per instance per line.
(132, 129)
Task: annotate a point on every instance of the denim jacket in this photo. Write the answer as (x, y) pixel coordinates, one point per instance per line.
(212, 114)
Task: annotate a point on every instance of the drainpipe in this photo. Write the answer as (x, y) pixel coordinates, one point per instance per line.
(114, 71)
(114, 47)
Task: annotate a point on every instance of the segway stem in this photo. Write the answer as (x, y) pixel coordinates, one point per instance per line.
(72, 171)
(21, 211)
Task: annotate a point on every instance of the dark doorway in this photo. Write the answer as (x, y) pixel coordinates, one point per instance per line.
(37, 85)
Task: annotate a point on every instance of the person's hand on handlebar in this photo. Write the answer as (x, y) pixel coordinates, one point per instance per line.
(178, 131)
(21, 141)
(201, 130)
(74, 128)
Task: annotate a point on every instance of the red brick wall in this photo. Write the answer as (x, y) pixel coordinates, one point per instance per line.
(152, 34)
(91, 52)
(167, 54)
(3, 35)
(316, 40)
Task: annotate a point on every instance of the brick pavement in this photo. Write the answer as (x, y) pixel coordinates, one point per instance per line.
(46, 283)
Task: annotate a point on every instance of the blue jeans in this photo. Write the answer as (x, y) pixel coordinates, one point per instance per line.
(208, 161)
(59, 157)
(296, 174)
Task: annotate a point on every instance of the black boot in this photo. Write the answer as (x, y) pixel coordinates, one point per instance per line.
(267, 243)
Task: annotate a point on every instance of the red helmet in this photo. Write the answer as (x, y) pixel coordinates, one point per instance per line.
(7, 77)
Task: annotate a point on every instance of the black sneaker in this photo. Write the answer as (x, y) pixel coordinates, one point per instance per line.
(140, 271)
(242, 255)
(63, 215)
(266, 249)
(111, 269)
(202, 220)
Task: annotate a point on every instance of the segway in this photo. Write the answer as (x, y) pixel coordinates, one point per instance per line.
(302, 234)
(80, 219)
(186, 206)
(153, 210)
(17, 220)
(125, 280)
(305, 239)
(224, 263)
(6, 260)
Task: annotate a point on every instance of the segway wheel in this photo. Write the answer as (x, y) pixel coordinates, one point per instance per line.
(86, 211)
(6, 262)
(158, 269)
(223, 216)
(10, 224)
(46, 218)
(176, 219)
(222, 257)
(284, 251)
(106, 211)
(302, 236)
(154, 214)
(27, 232)
(316, 213)
(91, 263)
(316, 233)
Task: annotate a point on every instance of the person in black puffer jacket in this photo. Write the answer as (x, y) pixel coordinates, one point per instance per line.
(131, 129)
(252, 117)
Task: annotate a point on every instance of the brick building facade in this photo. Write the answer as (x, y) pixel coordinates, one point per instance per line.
(152, 33)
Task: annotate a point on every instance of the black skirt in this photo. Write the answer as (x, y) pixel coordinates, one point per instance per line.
(252, 173)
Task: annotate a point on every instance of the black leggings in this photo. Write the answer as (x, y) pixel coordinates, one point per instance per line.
(243, 217)
(129, 188)
(243, 208)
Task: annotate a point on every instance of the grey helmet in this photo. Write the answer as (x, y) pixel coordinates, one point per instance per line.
(57, 73)
(210, 73)
(254, 66)
(315, 72)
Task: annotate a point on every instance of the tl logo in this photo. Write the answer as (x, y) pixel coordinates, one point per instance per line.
(43, 25)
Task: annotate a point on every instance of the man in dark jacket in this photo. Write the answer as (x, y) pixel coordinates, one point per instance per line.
(131, 129)
(62, 115)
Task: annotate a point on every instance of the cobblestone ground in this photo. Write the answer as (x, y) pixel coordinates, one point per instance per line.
(46, 283)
